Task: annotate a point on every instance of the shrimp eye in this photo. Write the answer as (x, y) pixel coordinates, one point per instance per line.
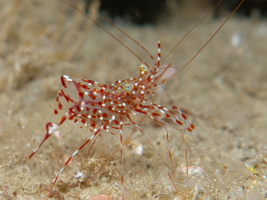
(127, 87)
(143, 69)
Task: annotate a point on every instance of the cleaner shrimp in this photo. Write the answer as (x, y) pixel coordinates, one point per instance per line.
(109, 108)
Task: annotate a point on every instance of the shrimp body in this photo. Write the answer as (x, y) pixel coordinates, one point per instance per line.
(95, 104)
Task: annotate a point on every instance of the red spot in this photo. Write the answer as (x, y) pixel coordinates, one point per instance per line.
(183, 115)
(174, 107)
(116, 122)
(88, 81)
(55, 111)
(78, 108)
(81, 94)
(189, 129)
(62, 120)
(84, 115)
(160, 107)
(83, 121)
(155, 114)
(96, 91)
(140, 111)
(105, 115)
(179, 122)
(93, 97)
(63, 81)
(48, 125)
(94, 111)
(84, 86)
(192, 126)
(60, 107)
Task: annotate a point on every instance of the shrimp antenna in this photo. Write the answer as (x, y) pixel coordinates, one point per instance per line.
(102, 27)
(213, 35)
(199, 22)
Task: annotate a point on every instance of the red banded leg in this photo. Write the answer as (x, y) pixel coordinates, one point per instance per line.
(50, 128)
(92, 138)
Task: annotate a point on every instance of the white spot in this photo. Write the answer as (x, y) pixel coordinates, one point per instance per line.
(194, 170)
(139, 149)
(82, 107)
(89, 116)
(52, 128)
(61, 170)
(236, 40)
(92, 136)
(79, 175)
(75, 153)
(67, 78)
(142, 92)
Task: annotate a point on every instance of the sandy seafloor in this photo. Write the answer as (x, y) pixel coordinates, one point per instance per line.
(224, 92)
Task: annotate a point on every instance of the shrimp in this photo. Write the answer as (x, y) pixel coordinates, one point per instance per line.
(111, 107)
